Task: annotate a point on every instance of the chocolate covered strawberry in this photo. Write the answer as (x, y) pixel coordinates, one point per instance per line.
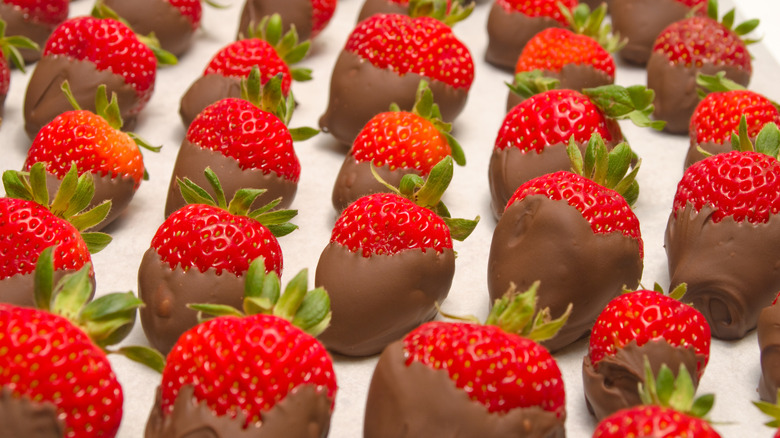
(33, 19)
(200, 254)
(669, 410)
(717, 116)
(393, 144)
(86, 51)
(383, 61)
(512, 23)
(93, 143)
(309, 17)
(265, 47)
(634, 326)
(469, 379)
(640, 21)
(533, 138)
(30, 223)
(723, 233)
(691, 46)
(397, 249)
(275, 378)
(246, 142)
(10, 53)
(576, 235)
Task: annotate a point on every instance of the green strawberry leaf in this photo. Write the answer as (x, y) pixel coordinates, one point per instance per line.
(303, 133)
(16, 185)
(276, 217)
(267, 207)
(96, 242)
(90, 218)
(746, 27)
(457, 150)
(301, 74)
(314, 314)
(437, 182)
(72, 293)
(37, 178)
(273, 29)
(530, 83)
(61, 205)
(768, 140)
(214, 310)
(43, 284)
(293, 296)
(194, 194)
(242, 201)
(145, 356)
(460, 229)
(282, 229)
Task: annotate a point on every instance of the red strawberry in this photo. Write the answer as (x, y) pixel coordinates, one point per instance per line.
(273, 375)
(93, 143)
(200, 253)
(396, 51)
(266, 48)
(640, 21)
(577, 236)
(29, 224)
(393, 144)
(533, 137)
(725, 219)
(309, 17)
(400, 259)
(635, 325)
(33, 19)
(88, 51)
(717, 116)
(468, 379)
(688, 47)
(670, 410)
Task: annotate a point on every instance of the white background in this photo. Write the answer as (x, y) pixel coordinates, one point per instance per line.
(734, 366)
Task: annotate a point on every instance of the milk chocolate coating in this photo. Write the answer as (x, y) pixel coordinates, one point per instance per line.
(418, 401)
(18, 23)
(377, 300)
(359, 91)
(731, 268)
(508, 33)
(193, 160)
(119, 190)
(297, 12)
(355, 180)
(22, 417)
(166, 293)
(769, 345)
(373, 7)
(713, 148)
(541, 239)
(614, 386)
(676, 90)
(572, 77)
(45, 100)
(205, 91)
(19, 289)
(641, 21)
(303, 413)
(172, 29)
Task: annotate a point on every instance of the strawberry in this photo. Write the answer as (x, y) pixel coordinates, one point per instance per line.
(88, 51)
(576, 235)
(265, 48)
(724, 218)
(670, 410)
(634, 325)
(393, 144)
(691, 46)
(309, 17)
(54, 373)
(400, 259)
(247, 142)
(717, 116)
(33, 19)
(533, 137)
(30, 224)
(640, 21)
(396, 51)
(200, 253)
(469, 379)
(95, 144)
(768, 341)
(273, 377)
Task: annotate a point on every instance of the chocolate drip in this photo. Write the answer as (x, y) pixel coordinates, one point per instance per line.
(641, 21)
(355, 180)
(295, 12)
(509, 32)
(22, 417)
(172, 29)
(205, 91)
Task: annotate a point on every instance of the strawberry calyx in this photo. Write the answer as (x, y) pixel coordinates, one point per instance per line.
(677, 393)
(277, 221)
(107, 320)
(425, 107)
(515, 312)
(608, 168)
(449, 14)
(70, 202)
(583, 21)
(10, 46)
(307, 309)
(530, 83)
(634, 103)
(427, 193)
(773, 410)
(286, 45)
(727, 21)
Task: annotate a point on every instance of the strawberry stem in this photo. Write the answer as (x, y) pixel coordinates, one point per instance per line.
(516, 313)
